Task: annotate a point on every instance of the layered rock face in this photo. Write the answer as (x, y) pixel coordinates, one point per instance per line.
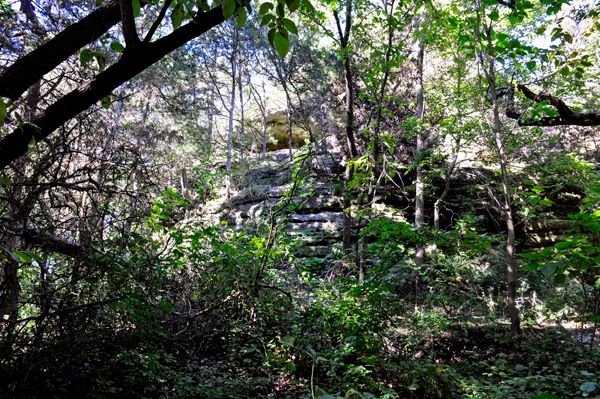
(317, 224)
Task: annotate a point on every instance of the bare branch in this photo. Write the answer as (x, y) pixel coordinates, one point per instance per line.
(158, 21)
(567, 116)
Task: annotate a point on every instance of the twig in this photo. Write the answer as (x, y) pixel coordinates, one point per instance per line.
(200, 313)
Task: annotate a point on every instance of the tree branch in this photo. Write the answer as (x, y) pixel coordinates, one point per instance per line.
(137, 60)
(567, 116)
(30, 68)
(128, 22)
(200, 313)
(47, 241)
(158, 21)
(58, 312)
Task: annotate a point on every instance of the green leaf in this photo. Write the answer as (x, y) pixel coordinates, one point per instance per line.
(283, 32)
(531, 256)
(179, 13)
(204, 6)
(117, 46)
(5, 179)
(597, 284)
(293, 5)
(281, 44)
(4, 104)
(100, 59)
(568, 38)
(34, 256)
(548, 269)
(242, 17)
(280, 10)
(547, 252)
(501, 37)
(136, 8)
(85, 56)
(106, 102)
(265, 8)
(228, 8)
(31, 145)
(266, 19)
(309, 6)
(563, 245)
(588, 387)
(271, 36)
(546, 202)
(529, 182)
(560, 279)
(287, 340)
(290, 26)
(21, 257)
(531, 266)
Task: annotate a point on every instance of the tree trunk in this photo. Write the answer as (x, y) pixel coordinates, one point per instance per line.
(350, 141)
(419, 194)
(515, 323)
(211, 116)
(452, 166)
(440, 200)
(241, 113)
(283, 77)
(231, 112)
(183, 180)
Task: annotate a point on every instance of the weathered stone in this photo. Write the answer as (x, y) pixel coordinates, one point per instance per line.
(317, 225)
(278, 129)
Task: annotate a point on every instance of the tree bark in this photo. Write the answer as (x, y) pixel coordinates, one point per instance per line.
(211, 117)
(372, 191)
(15, 144)
(440, 200)
(262, 107)
(128, 21)
(515, 322)
(350, 140)
(231, 111)
(567, 116)
(32, 67)
(242, 140)
(419, 192)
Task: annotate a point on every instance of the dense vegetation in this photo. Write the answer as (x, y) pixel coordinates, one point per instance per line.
(205, 199)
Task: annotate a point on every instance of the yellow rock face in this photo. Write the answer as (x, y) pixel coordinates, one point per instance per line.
(278, 130)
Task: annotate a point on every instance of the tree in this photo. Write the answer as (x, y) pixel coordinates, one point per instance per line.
(421, 137)
(137, 56)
